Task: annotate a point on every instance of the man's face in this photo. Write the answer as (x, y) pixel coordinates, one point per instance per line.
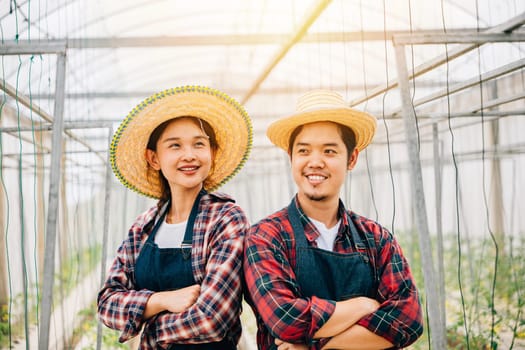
(320, 161)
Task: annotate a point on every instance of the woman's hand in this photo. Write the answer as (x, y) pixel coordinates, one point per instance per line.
(282, 345)
(181, 299)
(173, 301)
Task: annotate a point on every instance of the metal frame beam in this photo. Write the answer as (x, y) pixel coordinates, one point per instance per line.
(26, 47)
(507, 26)
(498, 72)
(96, 124)
(27, 102)
(480, 38)
(319, 7)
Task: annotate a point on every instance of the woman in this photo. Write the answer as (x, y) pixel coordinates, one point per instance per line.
(177, 276)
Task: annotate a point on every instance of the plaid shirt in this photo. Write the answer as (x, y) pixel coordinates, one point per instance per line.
(274, 293)
(217, 249)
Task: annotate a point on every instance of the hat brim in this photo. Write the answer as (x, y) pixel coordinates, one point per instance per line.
(362, 124)
(229, 120)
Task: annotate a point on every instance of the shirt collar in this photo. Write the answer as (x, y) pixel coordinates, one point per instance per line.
(311, 231)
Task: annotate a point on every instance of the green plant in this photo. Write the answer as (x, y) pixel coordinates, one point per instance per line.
(88, 329)
(487, 311)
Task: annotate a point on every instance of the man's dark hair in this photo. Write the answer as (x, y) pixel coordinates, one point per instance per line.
(347, 135)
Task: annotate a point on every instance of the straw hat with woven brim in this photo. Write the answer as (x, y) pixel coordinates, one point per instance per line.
(229, 120)
(323, 105)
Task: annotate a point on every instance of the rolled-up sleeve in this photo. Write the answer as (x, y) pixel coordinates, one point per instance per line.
(399, 317)
(121, 307)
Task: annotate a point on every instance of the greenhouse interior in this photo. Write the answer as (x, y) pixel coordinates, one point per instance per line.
(445, 80)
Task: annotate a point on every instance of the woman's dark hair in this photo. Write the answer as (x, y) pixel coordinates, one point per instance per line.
(152, 145)
(347, 135)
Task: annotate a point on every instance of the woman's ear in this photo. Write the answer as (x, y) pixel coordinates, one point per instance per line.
(352, 160)
(153, 160)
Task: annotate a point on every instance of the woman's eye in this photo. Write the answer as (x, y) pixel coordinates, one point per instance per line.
(174, 145)
(330, 151)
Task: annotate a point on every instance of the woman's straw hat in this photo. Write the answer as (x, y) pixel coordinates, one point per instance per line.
(323, 105)
(227, 117)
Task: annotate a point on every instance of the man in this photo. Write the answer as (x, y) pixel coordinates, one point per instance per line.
(320, 276)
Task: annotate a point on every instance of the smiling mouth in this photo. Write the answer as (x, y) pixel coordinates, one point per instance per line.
(316, 179)
(189, 168)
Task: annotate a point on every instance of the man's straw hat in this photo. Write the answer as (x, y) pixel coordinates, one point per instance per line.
(229, 120)
(323, 105)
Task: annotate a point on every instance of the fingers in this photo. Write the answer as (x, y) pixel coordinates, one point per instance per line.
(282, 345)
(181, 299)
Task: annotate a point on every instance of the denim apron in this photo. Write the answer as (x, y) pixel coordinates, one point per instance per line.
(330, 275)
(162, 269)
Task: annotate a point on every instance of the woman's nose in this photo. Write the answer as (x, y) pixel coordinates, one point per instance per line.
(189, 153)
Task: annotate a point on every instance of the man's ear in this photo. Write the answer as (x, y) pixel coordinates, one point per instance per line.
(352, 160)
(153, 160)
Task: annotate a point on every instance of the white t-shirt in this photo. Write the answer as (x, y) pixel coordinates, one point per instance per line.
(327, 238)
(170, 235)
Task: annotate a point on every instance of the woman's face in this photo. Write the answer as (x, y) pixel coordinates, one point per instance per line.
(183, 155)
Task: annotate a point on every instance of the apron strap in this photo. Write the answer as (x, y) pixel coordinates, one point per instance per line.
(301, 242)
(298, 229)
(151, 237)
(188, 234)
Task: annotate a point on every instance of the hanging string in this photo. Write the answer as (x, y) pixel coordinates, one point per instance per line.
(365, 108)
(22, 208)
(412, 60)
(416, 121)
(517, 280)
(385, 40)
(485, 197)
(7, 212)
(456, 174)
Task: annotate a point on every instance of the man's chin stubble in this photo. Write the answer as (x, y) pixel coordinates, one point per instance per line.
(315, 198)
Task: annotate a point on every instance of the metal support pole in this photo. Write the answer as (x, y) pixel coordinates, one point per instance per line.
(439, 224)
(105, 233)
(496, 202)
(52, 211)
(438, 334)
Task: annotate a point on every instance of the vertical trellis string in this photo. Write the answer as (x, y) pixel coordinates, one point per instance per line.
(456, 173)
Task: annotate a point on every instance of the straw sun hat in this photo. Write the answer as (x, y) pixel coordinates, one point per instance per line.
(323, 105)
(229, 120)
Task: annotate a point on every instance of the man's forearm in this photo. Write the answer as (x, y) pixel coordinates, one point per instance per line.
(357, 338)
(346, 314)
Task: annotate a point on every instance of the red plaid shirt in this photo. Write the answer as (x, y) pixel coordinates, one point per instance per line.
(274, 293)
(217, 249)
